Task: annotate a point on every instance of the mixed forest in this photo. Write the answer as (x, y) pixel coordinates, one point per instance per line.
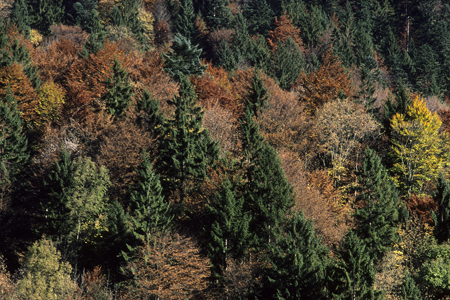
(224, 149)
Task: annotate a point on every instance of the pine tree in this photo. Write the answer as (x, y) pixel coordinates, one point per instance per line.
(259, 54)
(46, 13)
(229, 234)
(289, 63)
(377, 222)
(369, 75)
(268, 194)
(259, 17)
(353, 275)
(126, 13)
(219, 14)
(13, 142)
(226, 58)
(96, 38)
(241, 37)
(119, 91)
(153, 120)
(84, 14)
(185, 148)
(183, 59)
(298, 263)
(21, 17)
(184, 23)
(441, 217)
(410, 290)
(258, 95)
(400, 105)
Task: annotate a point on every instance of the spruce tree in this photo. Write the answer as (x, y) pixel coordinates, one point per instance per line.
(96, 38)
(377, 222)
(297, 263)
(219, 14)
(259, 54)
(185, 147)
(241, 37)
(441, 217)
(126, 13)
(45, 13)
(289, 63)
(183, 59)
(259, 17)
(226, 58)
(229, 235)
(184, 23)
(353, 276)
(410, 290)
(84, 14)
(400, 105)
(258, 95)
(13, 142)
(151, 117)
(21, 17)
(118, 91)
(369, 75)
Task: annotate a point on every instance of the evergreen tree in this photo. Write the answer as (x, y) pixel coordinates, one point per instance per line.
(268, 194)
(45, 13)
(97, 37)
(258, 94)
(13, 142)
(259, 54)
(400, 105)
(229, 234)
(219, 14)
(118, 91)
(126, 13)
(353, 275)
(183, 59)
(441, 217)
(21, 17)
(298, 263)
(185, 20)
(369, 75)
(377, 222)
(226, 57)
(410, 291)
(241, 37)
(185, 148)
(259, 17)
(84, 13)
(153, 120)
(289, 63)
(20, 54)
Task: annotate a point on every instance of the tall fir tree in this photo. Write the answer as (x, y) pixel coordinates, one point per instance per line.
(399, 105)
(241, 37)
(118, 91)
(84, 16)
(441, 217)
(219, 14)
(353, 275)
(151, 117)
(259, 54)
(126, 13)
(259, 17)
(226, 58)
(288, 63)
(45, 13)
(96, 38)
(258, 94)
(369, 74)
(184, 23)
(13, 141)
(185, 148)
(297, 263)
(378, 220)
(21, 17)
(183, 59)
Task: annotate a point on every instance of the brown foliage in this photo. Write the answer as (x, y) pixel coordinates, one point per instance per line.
(317, 199)
(240, 85)
(420, 206)
(20, 85)
(72, 33)
(169, 266)
(444, 114)
(317, 88)
(217, 36)
(93, 285)
(7, 286)
(284, 29)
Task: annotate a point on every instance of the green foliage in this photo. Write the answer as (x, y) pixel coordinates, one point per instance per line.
(241, 37)
(298, 263)
(289, 63)
(185, 20)
(259, 53)
(434, 273)
(258, 95)
(377, 222)
(219, 14)
(21, 17)
(126, 13)
(118, 91)
(183, 59)
(441, 217)
(45, 13)
(96, 38)
(410, 290)
(152, 118)
(226, 58)
(369, 75)
(13, 142)
(45, 276)
(353, 274)
(259, 17)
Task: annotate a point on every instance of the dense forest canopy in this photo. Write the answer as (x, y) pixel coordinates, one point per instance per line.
(224, 149)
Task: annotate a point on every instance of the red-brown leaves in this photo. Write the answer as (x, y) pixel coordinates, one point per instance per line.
(284, 29)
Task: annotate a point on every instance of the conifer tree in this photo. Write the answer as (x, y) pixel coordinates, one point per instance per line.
(13, 142)
(153, 119)
(400, 105)
(241, 37)
(410, 290)
(369, 75)
(377, 222)
(96, 38)
(184, 23)
(259, 17)
(83, 9)
(441, 217)
(229, 235)
(258, 95)
(21, 17)
(46, 13)
(119, 91)
(298, 263)
(353, 274)
(185, 148)
(183, 59)
(219, 14)
(259, 54)
(289, 63)
(126, 13)
(226, 58)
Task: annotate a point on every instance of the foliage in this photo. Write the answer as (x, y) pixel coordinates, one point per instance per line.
(288, 63)
(284, 29)
(442, 214)
(51, 101)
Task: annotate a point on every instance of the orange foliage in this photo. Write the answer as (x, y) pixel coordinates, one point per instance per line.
(240, 85)
(284, 29)
(317, 199)
(420, 206)
(444, 114)
(317, 88)
(162, 32)
(72, 33)
(22, 89)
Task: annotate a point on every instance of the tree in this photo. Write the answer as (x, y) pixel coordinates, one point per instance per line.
(288, 63)
(185, 20)
(153, 119)
(441, 217)
(13, 142)
(226, 58)
(21, 17)
(185, 148)
(353, 274)
(126, 13)
(97, 37)
(45, 275)
(46, 13)
(259, 53)
(418, 148)
(241, 37)
(400, 105)
(283, 30)
(118, 90)
(259, 17)
(377, 221)
(84, 13)
(183, 58)
(258, 95)
(298, 263)
(219, 14)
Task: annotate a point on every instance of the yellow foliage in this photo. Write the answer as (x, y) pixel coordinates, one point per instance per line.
(51, 101)
(147, 23)
(35, 37)
(419, 150)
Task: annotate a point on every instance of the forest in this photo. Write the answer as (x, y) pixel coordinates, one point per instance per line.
(224, 149)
